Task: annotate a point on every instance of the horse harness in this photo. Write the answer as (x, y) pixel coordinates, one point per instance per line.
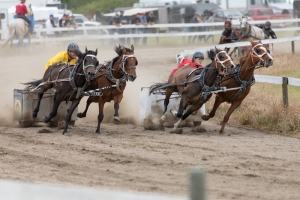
(108, 74)
(71, 77)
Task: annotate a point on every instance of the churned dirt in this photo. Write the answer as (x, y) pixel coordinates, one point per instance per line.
(240, 164)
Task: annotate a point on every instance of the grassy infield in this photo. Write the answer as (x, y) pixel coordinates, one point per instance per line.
(263, 107)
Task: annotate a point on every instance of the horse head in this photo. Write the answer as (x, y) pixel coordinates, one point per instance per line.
(128, 61)
(222, 61)
(227, 24)
(243, 22)
(260, 54)
(29, 11)
(89, 64)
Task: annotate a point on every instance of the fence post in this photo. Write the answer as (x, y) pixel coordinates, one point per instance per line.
(293, 47)
(285, 91)
(197, 184)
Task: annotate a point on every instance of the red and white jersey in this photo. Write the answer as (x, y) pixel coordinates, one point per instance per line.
(21, 9)
(185, 62)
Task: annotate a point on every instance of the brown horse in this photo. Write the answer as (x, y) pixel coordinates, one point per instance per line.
(111, 82)
(243, 78)
(194, 85)
(69, 83)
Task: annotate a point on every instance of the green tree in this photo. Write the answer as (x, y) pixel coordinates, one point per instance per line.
(104, 6)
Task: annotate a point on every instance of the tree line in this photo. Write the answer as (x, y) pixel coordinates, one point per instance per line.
(89, 6)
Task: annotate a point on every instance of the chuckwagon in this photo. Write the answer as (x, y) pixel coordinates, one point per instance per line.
(25, 102)
(151, 108)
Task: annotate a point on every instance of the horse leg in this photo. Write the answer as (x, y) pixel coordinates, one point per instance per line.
(182, 105)
(54, 108)
(233, 106)
(88, 103)
(169, 92)
(69, 115)
(218, 101)
(117, 100)
(100, 116)
(40, 96)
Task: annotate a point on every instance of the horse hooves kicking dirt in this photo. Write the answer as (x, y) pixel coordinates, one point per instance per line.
(177, 131)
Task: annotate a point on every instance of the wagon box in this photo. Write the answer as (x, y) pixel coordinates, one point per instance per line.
(25, 102)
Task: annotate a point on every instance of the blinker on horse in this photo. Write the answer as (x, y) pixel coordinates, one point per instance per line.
(111, 82)
(194, 85)
(243, 79)
(69, 83)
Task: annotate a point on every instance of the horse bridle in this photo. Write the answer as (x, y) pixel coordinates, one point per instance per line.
(123, 62)
(254, 54)
(217, 60)
(85, 67)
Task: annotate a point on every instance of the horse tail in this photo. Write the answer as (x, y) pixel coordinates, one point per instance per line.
(162, 87)
(33, 84)
(12, 33)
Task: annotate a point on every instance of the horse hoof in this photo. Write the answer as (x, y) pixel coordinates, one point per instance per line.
(65, 133)
(97, 132)
(46, 120)
(197, 123)
(117, 120)
(174, 112)
(177, 131)
(205, 117)
(81, 115)
(34, 114)
(161, 122)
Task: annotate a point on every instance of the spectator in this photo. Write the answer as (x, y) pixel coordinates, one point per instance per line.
(62, 21)
(210, 19)
(151, 21)
(116, 22)
(201, 28)
(49, 26)
(194, 19)
(72, 22)
(123, 21)
(144, 22)
(136, 20)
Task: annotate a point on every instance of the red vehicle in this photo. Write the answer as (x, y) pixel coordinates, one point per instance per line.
(264, 14)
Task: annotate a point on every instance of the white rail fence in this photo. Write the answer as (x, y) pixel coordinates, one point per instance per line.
(11, 190)
(171, 30)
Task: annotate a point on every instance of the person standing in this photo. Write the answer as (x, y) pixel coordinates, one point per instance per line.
(50, 26)
(143, 19)
(21, 11)
(194, 19)
(210, 19)
(136, 20)
(123, 21)
(151, 19)
(116, 22)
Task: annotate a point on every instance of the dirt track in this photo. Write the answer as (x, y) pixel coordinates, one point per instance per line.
(241, 164)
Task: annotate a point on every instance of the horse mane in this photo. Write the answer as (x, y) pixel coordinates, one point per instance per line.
(118, 49)
(242, 59)
(211, 54)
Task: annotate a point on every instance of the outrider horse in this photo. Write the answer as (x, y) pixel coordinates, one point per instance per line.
(69, 83)
(194, 85)
(19, 27)
(243, 77)
(111, 82)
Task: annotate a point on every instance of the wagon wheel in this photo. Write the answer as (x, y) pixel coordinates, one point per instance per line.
(23, 124)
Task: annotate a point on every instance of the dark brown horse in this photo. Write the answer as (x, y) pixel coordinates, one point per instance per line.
(257, 55)
(111, 82)
(194, 85)
(69, 83)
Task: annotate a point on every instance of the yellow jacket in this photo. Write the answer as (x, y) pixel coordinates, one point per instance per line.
(62, 56)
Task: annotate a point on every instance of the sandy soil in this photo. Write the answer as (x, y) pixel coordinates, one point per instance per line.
(241, 164)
